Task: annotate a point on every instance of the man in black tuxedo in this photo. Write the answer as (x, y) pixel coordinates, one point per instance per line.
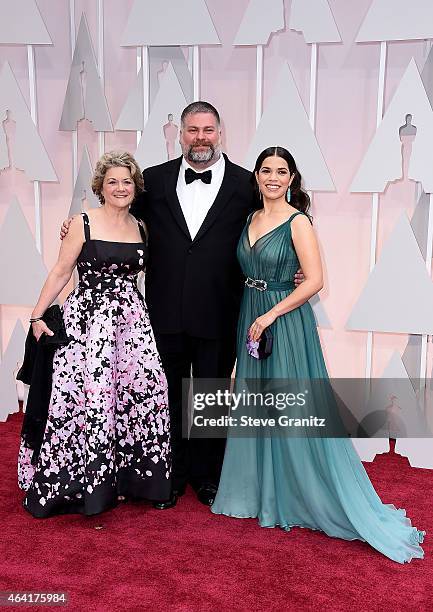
(195, 208)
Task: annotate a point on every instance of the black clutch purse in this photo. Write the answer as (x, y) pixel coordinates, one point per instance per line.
(262, 348)
(54, 319)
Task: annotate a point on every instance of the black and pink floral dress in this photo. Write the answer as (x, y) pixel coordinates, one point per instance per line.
(107, 433)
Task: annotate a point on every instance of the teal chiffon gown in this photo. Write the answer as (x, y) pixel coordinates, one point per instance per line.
(314, 482)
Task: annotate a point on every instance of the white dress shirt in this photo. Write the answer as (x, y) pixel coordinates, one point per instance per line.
(196, 198)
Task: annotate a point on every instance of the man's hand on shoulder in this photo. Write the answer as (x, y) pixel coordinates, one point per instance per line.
(65, 228)
(299, 277)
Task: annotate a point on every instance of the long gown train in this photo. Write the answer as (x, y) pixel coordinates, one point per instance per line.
(313, 482)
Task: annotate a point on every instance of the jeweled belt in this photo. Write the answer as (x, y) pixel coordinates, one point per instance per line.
(262, 285)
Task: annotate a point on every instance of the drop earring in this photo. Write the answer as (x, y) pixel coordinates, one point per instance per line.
(289, 191)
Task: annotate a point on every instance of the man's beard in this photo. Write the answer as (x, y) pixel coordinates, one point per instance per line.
(203, 157)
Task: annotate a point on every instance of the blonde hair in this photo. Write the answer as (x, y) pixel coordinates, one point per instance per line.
(113, 159)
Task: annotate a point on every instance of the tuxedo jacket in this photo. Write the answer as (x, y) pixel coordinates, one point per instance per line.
(193, 285)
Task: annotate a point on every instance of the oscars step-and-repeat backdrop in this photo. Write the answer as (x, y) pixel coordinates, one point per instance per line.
(347, 87)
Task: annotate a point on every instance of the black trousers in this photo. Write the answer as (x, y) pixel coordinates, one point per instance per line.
(195, 461)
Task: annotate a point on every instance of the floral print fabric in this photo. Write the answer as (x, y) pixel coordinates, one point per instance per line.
(107, 432)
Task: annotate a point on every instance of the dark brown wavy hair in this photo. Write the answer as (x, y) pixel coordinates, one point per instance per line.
(299, 198)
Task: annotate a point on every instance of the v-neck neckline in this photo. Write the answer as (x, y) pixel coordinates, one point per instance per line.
(263, 235)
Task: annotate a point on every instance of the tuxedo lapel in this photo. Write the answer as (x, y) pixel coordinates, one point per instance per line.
(227, 189)
(172, 199)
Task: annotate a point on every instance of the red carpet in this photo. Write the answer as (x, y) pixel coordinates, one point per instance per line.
(188, 559)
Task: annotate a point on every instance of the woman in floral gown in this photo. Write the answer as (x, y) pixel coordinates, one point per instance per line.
(107, 433)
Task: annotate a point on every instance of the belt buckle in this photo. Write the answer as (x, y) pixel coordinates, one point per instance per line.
(256, 283)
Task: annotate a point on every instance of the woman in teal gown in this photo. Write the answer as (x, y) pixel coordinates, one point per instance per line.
(314, 482)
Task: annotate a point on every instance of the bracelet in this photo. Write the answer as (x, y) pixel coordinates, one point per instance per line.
(35, 319)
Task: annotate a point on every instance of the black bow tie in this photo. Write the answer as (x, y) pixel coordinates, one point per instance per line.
(191, 175)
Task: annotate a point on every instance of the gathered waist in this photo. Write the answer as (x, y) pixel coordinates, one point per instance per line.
(260, 284)
(110, 284)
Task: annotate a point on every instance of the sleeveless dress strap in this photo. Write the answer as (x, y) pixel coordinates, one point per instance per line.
(294, 215)
(299, 212)
(86, 226)
(142, 231)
